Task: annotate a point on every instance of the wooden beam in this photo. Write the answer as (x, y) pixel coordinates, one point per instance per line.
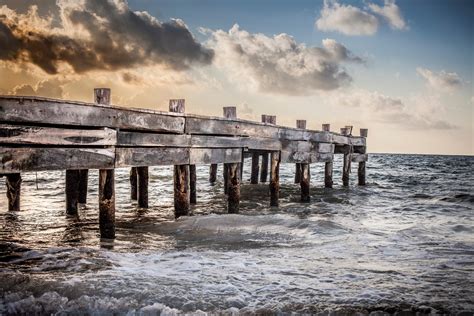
(13, 182)
(14, 160)
(264, 168)
(151, 156)
(102, 96)
(36, 135)
(364, 132)
(142, 177)
(214, 155)
(233, 196)
(107, 203)
(142, 139)
(230, 112)
(222, 126)
(55, 112)
(275, 179)
(302, 125)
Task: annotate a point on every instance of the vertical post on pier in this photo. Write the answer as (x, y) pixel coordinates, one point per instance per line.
(275, 178)
(83, 179)
(233, 196)
(299, 124)
(106, 183)
(213, 173)
(181, 173)
(270, 119)
(72, 191)
(254, 172)
(13, 183)
(133, 183)
(142, 177)
(361, 170)
(192, 184)
(346, 169)
(226, 177)
(107, 203)
(305, 182)
(328, 166)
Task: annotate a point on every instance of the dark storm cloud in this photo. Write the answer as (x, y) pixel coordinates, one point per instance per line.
(119, 39)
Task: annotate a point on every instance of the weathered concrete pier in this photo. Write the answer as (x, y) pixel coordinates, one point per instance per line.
(38, 134)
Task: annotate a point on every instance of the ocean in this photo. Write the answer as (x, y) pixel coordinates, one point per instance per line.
(403, 244)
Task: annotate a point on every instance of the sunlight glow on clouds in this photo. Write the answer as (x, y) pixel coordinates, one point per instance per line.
(445, 81)
(279, 64)
(391, 12)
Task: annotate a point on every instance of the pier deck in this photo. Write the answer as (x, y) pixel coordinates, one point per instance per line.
(38, 134)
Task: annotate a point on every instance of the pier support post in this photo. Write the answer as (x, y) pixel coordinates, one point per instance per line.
(328, 174)
(181, 190)
(255, 167)
(305, 182)
(181, 172)
(142, 173)
(107, 203)
(264, 168)
(361, 173)
(225, 174)
(192, 184)
(233, 196)
(213, 173)
(13, 183)
(72, 191)
(361, 170)
(83, 179)
(275, 178)
(328, 166)
(133, 183)
(346, 169)
(299, 124)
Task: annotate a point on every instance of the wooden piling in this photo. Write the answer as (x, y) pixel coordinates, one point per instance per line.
(326, 127)
(83, 179)
(233, 196)
(255, 168)
(346, 169)
(181, 190)
(181, 172)
(305, 182)
(264, 168)
(299, 124)
(107, 203)
(133, 183)
(192, 184)
(213, 173)
(361, 173)
(72, 191)
(225, 174)
(275, 178)
(328, 174)
(142, 175)
(13, 182)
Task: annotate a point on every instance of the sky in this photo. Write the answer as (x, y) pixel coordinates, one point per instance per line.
(401, 68)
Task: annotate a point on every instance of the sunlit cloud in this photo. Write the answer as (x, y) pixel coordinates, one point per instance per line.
(391, 13)
(443, 80)
(279, 64)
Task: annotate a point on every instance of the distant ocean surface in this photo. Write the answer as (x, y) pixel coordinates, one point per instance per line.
(404, 242)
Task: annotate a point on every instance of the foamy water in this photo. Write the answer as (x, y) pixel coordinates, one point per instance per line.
(404, 242)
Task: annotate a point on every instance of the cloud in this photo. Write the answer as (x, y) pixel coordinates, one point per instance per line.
(391, 13)
(279, 64)
(97, 35)
(346, 19)
(445, 81)
(46, 88)
(417, 112)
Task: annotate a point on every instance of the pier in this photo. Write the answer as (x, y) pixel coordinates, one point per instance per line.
(40, 134)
